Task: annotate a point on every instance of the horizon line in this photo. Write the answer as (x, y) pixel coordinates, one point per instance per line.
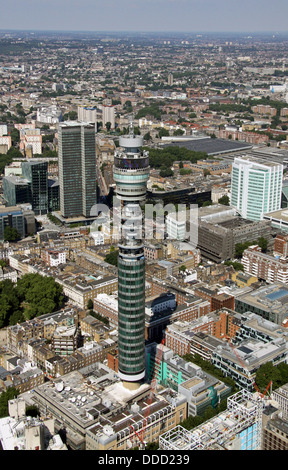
(144, 31)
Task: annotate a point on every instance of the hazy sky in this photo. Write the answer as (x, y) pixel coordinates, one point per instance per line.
(145, 15)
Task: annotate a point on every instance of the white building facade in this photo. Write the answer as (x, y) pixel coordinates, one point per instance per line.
(256, 187)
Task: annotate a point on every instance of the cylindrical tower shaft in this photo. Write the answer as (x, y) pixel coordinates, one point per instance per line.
(131, 172)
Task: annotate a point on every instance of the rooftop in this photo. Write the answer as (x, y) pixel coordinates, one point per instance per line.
(212, 146)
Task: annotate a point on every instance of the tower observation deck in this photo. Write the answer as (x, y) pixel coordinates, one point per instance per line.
(131, 172)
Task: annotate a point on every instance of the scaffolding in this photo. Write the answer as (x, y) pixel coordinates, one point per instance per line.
(244, 410)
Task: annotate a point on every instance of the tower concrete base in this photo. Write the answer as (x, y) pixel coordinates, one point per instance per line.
(131, 385)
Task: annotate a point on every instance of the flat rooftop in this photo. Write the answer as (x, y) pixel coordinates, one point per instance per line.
(212, 146)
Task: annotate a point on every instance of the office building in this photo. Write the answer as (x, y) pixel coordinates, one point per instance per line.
(270, 302)
(77, 168)
(37, 175)
(176, 226)
(217, 239)
(131, 173)
(16, 190)
(256, 187)
(280, 395)
(12, 217)
(274, 429)
(199, 387)
(53, 195)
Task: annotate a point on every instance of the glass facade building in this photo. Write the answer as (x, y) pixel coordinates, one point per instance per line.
(11, 217)
(256, 187)
(37, 175)
(131, 171)
(16, 190)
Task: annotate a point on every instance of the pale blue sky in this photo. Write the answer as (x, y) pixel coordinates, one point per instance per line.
(145, 15)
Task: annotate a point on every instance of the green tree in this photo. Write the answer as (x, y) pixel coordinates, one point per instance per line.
(263, 244)
(236, 265)
(240, 247)
(163, 133)
(224, 200)
(147, 136)
(265, 374)
(11, 234)
(39, 294)
(178, 132)
(166, 172)
(9, 394)
(112, 258)
(182, 268)
(90, 304)
(9, 301)
(206, 203)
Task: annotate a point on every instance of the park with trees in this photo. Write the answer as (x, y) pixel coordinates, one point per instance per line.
(33, 295)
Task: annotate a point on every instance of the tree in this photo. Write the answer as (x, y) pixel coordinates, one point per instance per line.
(163, 133)
(147, 136)
(265, 374)
(9, 394)
(108, 126)
(90, 304)
(206, 203)
(236, 265)
(240, 247)
(9, 301)
(11, 234)
(178, 132)
(263, 244)
(39, 294)
(166, 172)
(224, 200)
(112, 258)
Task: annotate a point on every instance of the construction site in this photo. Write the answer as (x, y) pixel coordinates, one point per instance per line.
(238, 428)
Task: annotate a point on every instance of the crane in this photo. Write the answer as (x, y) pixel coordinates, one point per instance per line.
(158, 360)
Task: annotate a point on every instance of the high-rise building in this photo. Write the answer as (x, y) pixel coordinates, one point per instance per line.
(256, 187)
(108, 115)
(37, 175)
(77, 168)
(131, 173)
(87, 114)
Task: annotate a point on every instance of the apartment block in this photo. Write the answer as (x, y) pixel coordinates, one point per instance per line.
(268, 268)
(53, 257)
(264, 109)
(65, 340)
(281, 246)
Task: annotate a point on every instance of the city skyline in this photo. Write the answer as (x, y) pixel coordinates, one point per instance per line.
(149, 16)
